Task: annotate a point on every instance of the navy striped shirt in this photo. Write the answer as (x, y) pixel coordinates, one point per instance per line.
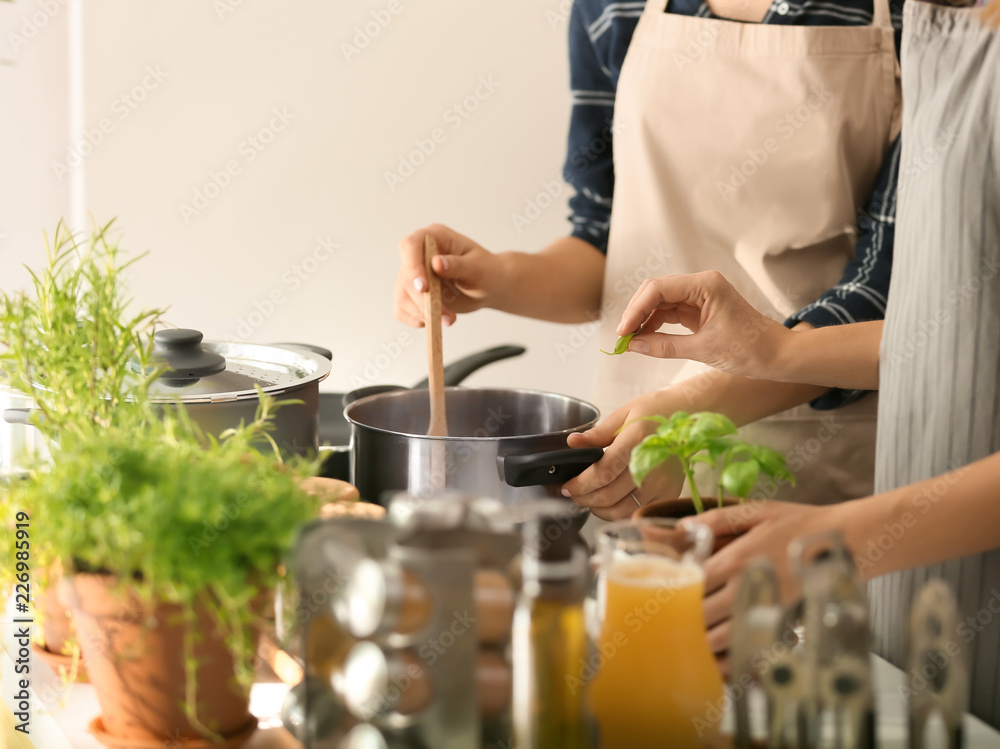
(599, 35)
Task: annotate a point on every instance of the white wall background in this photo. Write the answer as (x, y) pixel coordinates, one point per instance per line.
(34, 122)
(180, 87)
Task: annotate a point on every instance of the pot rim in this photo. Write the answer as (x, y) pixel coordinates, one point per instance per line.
(488, 438)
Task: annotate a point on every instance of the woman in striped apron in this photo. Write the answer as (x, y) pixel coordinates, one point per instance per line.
(936, 361)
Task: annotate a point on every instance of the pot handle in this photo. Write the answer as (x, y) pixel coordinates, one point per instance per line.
(457, 371)
(18, 415)
(538, 469)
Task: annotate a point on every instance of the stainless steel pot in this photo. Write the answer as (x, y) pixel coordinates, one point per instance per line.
(217, 383)
(335, 432)
(509, 445)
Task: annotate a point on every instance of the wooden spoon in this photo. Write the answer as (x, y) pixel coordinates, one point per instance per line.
(435, 359)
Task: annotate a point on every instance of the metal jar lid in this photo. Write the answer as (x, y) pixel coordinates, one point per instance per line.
(199, 371)
(378, 682)
(383, 596)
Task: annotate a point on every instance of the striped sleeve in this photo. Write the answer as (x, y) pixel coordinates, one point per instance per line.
(597, 45)
(863, 290)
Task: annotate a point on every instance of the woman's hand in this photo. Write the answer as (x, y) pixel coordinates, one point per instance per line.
(726, 331)
(470, 275)
(607, 488)
(765, 529)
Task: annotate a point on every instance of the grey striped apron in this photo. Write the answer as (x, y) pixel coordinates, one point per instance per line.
(940, 357)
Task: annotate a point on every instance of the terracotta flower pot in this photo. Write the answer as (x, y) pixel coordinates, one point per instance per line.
(57, 619)
(135, 660)
(684, 508)
(58, 632)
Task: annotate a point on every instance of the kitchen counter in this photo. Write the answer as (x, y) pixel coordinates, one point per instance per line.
(60, 714)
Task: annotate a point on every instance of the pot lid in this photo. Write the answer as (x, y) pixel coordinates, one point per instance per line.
(199, 371)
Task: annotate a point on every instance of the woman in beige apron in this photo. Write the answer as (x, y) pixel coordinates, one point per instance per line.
(748, 149)
(936, 361)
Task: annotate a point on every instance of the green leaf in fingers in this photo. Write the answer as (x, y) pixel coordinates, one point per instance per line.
(622, 346)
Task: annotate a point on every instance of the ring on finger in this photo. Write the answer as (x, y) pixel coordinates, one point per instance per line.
(635, 498)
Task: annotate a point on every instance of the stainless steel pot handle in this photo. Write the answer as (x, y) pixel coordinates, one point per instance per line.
(539, 469)
(18, 415)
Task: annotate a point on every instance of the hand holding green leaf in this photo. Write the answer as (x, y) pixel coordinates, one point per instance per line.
(622, 345)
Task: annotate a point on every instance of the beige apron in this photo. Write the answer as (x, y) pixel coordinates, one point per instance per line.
(748, 149)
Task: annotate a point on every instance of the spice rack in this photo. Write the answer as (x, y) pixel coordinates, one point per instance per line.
(404, 631)
(820, 693)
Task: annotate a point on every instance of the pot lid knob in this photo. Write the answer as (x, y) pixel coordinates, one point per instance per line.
(186, 358)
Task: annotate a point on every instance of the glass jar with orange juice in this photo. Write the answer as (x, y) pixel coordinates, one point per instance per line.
(658, 679)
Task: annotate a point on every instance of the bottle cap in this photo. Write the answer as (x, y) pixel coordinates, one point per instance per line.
(550, 538)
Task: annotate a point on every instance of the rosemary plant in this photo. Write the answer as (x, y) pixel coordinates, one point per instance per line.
(72, 344)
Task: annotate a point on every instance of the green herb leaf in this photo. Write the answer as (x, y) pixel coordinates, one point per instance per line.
(708, 426)
(772, 462)
(676, 428)
(647, 455)
(622, 345)
(721, 446)
(739, 479)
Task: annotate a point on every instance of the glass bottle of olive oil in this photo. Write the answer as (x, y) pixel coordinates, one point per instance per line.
(549, 640)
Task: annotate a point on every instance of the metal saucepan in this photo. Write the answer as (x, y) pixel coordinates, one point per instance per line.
(509, 445)
(217, 382)
(335, 432)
